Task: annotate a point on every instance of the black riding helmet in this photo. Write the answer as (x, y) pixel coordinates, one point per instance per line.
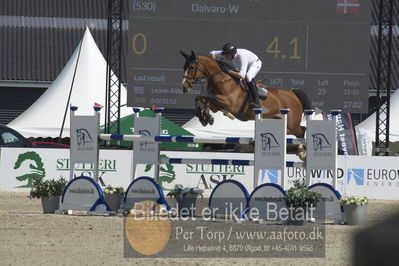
(229, 48)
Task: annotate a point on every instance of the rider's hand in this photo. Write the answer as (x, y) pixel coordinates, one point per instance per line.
(224, 68)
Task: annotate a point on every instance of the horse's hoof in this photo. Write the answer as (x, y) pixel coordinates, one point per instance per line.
(302, 155)
(211, 120)
(203, 122)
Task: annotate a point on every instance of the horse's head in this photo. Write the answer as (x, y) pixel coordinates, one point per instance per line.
(192, 71)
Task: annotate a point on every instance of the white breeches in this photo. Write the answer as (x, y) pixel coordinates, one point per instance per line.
(253, 70)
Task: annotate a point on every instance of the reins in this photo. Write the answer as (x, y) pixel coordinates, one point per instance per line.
(204, 76)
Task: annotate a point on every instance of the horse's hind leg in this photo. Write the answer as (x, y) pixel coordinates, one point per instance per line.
(294, 128)
(294, 125)
(299, 132)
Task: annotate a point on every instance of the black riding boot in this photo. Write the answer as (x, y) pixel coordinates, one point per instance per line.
(253, 91)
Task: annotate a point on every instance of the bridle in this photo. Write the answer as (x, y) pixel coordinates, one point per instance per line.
(203, 75)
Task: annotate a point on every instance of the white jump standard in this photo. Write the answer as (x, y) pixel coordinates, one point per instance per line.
(84, 193)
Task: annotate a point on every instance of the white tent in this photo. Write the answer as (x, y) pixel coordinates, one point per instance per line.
(365, 131)
(226, 127)
(44, 117)
(222, 127)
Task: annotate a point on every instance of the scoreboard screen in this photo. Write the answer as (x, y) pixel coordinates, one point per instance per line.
(320, 47)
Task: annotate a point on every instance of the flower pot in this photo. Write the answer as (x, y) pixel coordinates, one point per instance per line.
(50, 204)
(355, 214)
(114, 200)
(188, 203)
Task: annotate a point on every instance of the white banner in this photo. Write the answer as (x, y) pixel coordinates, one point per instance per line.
(18, 166)
(374, 177)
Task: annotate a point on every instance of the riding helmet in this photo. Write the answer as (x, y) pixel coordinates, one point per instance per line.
(229, 48)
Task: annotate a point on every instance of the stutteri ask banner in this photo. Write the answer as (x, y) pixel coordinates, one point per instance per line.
(18, 166)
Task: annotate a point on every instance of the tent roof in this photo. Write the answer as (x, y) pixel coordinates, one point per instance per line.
(44, 117)
(222, 127)
(226, 127)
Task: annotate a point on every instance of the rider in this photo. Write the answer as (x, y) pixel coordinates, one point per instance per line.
(248, 65)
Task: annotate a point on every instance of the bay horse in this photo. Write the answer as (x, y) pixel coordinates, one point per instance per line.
(226, 95)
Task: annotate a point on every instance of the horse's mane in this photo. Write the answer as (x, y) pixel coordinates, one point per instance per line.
(218, 64)
(208, 57)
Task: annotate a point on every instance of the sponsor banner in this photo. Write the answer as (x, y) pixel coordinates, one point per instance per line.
(18, 166)
(207, 177)
(374, 177)
(346, 135)
(364, 141)
(203, 176)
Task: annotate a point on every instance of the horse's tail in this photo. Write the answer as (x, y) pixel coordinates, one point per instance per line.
(303, 98)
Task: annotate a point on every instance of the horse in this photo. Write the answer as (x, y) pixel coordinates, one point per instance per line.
(225, 94)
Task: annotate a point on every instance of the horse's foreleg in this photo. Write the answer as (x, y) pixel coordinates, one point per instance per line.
(207, 116)
(200, 111)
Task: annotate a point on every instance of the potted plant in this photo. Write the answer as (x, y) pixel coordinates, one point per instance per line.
(49, 191)
(299, 199)
(186, 199)
(355, 209)
(113, 196)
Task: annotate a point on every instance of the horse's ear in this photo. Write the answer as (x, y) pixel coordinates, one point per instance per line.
(185, 55)
(194, 57)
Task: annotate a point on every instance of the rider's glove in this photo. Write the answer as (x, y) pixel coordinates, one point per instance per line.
(224, 68)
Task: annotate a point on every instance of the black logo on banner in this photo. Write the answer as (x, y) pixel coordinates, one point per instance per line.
(83, 136)
(320, 142)
(144, 132)
(269, 141)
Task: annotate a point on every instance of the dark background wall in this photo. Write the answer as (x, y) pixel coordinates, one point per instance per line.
(37, 37)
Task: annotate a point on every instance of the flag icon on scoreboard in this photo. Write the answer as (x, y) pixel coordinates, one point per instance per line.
(348, 6)
(138, 90)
